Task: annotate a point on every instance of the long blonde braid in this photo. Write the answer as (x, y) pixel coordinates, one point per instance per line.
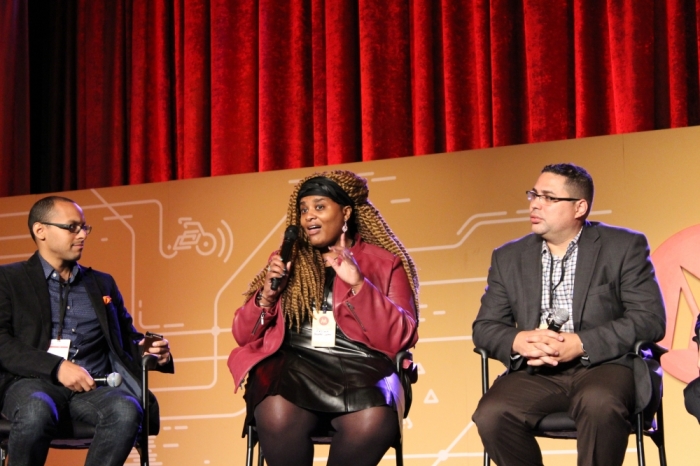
(307, 276)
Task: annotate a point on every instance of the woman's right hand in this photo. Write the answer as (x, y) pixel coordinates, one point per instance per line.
(275, 269)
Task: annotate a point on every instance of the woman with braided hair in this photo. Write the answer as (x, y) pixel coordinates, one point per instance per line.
(319, 350)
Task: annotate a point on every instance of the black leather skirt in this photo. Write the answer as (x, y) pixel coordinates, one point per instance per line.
(345, 378)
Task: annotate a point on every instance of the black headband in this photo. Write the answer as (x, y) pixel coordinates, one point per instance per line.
(322, 186)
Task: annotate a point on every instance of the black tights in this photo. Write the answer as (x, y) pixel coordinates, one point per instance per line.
(284, 431)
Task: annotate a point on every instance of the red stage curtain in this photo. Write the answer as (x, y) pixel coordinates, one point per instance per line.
(131, 91)
(14, 99)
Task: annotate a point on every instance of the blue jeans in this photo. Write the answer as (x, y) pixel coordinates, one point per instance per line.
(35, 406)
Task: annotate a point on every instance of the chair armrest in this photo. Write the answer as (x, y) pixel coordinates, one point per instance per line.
(401, 356)
(148, 362)
(484, 368)
(404, 364)
(649, 349)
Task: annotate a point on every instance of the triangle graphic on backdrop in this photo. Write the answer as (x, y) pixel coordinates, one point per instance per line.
(431, 398)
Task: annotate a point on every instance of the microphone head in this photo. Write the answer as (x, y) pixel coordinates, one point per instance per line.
(114, 379)
(291, 233)
(560, 316)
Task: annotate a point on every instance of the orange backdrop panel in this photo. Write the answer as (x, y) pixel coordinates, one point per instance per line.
(183, 252)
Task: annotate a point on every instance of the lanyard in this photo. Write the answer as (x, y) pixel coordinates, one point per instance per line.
(63, 306)
(552, 286)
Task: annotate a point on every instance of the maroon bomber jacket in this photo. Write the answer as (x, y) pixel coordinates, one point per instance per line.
(382, 315)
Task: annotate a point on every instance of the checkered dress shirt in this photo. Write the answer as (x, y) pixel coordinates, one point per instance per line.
(562, 296)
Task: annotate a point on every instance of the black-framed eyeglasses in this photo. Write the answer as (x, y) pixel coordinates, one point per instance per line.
(547, 199)
(72, 227)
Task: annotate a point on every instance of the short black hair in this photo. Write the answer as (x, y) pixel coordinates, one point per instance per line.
(578, 180)
(41, 210)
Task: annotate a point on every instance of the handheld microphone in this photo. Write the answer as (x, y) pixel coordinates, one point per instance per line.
(559, 318)
(112, 380)
(290, 237)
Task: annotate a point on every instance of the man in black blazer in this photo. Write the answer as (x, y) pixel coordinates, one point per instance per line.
(61, 326)
(597, 283)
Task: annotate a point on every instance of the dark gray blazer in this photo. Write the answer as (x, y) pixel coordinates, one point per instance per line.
(617, 300)
(25, 328)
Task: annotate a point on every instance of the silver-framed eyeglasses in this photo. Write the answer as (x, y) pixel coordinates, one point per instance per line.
(546, 198)
(72, 227)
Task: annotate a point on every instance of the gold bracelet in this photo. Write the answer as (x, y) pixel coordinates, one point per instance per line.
(352, 288)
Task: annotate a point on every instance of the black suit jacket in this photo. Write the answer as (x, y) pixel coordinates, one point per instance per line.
(25, 328)
(617, 300)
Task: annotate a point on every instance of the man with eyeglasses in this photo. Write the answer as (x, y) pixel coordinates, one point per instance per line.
(562, 310)
(61, 326)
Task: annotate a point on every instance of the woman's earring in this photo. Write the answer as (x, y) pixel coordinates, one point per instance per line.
(345, 227)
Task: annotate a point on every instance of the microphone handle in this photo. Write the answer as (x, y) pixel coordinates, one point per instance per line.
(286, 255)
(275, 283)
(556, 326)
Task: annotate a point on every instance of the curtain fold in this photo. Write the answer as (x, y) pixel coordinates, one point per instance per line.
(285, 85)
(14, 99)
(338, 62)
(150, 106)
(234, 87)
(119, 92)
